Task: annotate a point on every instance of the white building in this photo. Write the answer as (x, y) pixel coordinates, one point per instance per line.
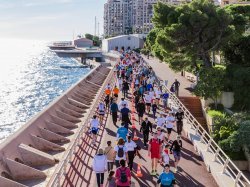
(123, 41)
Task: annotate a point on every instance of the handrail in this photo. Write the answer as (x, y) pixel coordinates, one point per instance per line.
(228, 165)
(62, 168)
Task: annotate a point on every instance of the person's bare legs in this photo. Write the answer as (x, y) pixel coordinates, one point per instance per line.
(156, 164)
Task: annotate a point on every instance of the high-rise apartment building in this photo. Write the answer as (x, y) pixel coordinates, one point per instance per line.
(131, 16)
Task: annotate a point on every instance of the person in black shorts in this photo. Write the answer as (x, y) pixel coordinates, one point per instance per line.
(179, 120)
(141, 109)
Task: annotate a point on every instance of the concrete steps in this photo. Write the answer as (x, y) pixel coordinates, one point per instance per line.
(193, 104)
(36, 151)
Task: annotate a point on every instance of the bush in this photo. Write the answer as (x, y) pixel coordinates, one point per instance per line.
(137, 50)
(220, 107)
(215, 113)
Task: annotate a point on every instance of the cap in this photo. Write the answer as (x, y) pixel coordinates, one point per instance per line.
(100, 151)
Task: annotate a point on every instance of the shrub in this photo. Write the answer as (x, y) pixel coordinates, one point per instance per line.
(215, 113)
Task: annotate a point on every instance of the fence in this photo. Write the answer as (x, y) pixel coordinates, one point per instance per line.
(61, 170)
(219, 155)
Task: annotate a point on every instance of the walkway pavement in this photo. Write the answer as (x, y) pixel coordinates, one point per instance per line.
(165, 73)
(192, 169)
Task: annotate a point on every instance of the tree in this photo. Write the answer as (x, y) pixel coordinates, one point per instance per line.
(210, 84)
(190, 32)
(89, 36)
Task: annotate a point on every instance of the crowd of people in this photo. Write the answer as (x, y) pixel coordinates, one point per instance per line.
(137, 84)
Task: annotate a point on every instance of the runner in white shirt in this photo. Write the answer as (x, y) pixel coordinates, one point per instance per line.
(157, 96)
(131, 148)
(120, 81)
(148, 100)
(170, 120)
(121, 104)
(151, 93)
(101, 108)
(160, 121)
(160, 134)
(94, 127)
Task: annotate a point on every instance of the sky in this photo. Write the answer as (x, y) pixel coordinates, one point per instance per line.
(49, 19)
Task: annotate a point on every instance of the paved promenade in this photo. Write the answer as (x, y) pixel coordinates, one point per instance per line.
(192, 169)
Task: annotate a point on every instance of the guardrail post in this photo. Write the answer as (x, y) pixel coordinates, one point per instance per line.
(59, 179)
(225, 165)
(237, 179)
(65, 167)
(202, 136)
(216, 153)
(196, 130)
(209, 144)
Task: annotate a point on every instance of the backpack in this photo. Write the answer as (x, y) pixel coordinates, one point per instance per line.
(123, 177)
(120, 152)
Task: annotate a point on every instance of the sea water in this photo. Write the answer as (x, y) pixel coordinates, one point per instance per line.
(31, 77)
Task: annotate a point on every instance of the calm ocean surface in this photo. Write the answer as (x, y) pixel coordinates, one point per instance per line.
(31, 77)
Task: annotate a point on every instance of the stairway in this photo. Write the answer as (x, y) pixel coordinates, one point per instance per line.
(193, 104)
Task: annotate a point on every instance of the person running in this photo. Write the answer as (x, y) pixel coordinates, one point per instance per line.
(107, 101)
(94, 125)
(166, 178)
(165, 155)
(101, 108)
(141, 109)
(120, 152)
(160, 120)
(122, 132)
(179, 115)
(125, 113)
(170, 120)
(176, 87)
(154, 152)
(123, 175)
(120, 81)
(114, 112)
(132, 151)
(148, 100)
(111, 181)
(109, 152)
(160, 134)
(146, 128)
(99, 166)
(121, 103)
(157, 96)
(176, 150)
(125, 88)
(154, 108)
(165, 97)
(116, 91)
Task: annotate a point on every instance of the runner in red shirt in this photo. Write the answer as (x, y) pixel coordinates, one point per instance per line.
(154, 151)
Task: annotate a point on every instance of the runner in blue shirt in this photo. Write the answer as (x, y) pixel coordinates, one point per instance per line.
(122, 132)
(166, 178)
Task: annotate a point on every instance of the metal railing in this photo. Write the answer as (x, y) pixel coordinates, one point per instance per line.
(61, 170)
(219, 155)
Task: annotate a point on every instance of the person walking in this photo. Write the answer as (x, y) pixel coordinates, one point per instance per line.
(148, 100)
(176, 87)
(154, 152)
(160, 120)
(165, 155)
(154, 108)
(146, 128)
(114, 112)
(122, 132)
(141, 109)
(99, 166)
(116, 91)
(94, 125)
(165, 97)
(176, 150)
(122, 102)
(101, 108)
(170, 120)
(179, 115)
(166, 178)
(111, 181)
(123, 175)
(125, 88)
(120, 152)
(125, 112)
(132, 151)
(109, 152)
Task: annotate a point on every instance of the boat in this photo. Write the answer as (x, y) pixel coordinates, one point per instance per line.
(62, 45)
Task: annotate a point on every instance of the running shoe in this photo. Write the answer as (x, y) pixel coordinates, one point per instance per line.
(152, 172)
(155, 173)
